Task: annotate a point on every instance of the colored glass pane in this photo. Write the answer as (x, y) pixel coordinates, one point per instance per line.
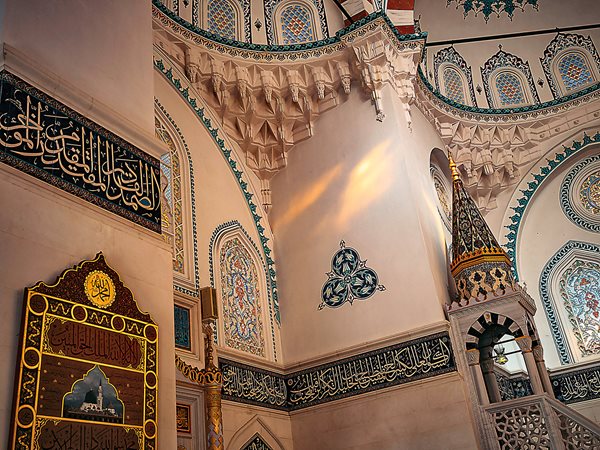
(240, 293)
(453, 84)
(296, 25)
(182, 328)
(510, 90)
(580, 290)
(574, 71)
(221, 18)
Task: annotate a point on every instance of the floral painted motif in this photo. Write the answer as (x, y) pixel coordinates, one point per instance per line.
(489, 7)
(580, 290)
(589, 193)
(240, 293)
(349, 279)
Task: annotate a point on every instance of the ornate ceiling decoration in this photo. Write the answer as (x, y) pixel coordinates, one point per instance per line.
(489, 7)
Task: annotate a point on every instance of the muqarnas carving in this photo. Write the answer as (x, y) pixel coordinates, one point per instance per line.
(349, 279)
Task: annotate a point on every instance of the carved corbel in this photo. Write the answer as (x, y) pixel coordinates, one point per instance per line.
(320, 78)
(192, 65)
(268, 82)
(293, 78)
(217, 74)
(344, 72)
(243, 83)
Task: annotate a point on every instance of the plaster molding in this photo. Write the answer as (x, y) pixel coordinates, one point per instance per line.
(494, 147)
(268, 98)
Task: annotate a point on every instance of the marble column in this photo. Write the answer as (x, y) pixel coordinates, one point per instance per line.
(473, 360)
(538, 354)
(524, 343)
(491, 383)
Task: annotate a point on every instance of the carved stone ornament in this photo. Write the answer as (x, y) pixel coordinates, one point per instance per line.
(538, 353)
(87, 374)
(268, 101)
(524, 343)
(473, 357)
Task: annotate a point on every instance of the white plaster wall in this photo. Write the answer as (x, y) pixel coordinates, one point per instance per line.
(367, 183)
(102, 48)
(44, 231)
(399, 418)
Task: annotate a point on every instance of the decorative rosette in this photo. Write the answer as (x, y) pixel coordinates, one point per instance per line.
(349, 279)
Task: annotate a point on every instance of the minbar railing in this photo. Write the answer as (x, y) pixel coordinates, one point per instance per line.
(538, 422)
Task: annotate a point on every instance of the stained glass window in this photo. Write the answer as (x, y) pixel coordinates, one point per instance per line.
(171, 213)
(510, 89)
(580, 290)
(296, 25)
(453, 84)
(240, 294)
(574, 71)
(182, 328)
(221, 18)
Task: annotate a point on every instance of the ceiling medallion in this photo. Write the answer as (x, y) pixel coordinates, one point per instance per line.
(489, 7)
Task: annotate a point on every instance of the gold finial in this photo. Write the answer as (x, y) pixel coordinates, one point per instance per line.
(453, 169)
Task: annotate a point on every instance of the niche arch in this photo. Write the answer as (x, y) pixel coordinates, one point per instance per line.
(254, 427)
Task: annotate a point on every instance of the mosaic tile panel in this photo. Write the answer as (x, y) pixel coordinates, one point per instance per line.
(580, 292)
(183, 337)
(240, 294)
(509, 89)
(453, 85)
(449, 59)
(589, 193)
(221, 18)
(574, 71)
(296, 18)
(296, 25)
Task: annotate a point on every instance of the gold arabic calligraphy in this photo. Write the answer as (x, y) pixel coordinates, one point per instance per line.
(99, 289)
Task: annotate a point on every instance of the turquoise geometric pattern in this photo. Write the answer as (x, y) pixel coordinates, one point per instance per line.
(489, 7)
(349, 279)
(580, 194)
(454, 86)
(296, 25)
(509, 89)
(221, 18)
(574, 71)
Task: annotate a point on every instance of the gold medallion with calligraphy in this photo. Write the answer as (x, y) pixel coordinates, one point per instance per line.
(100, 289)
(87, 374)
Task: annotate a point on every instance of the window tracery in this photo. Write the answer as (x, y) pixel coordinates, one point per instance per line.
(222, 18)
(507, 81)
(296, 21)
(456, 76)
(570, 63)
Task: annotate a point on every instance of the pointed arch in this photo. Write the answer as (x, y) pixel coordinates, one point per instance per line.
(570, 63)
(239, 275)
(295, 21)
(455, 75)
(179, 213)
(570, 292)
(248, 432)
(507, 81)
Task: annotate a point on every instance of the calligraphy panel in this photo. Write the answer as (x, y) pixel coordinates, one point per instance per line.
(577, 386)
(389, 366)
(46, 139)
(87, 370)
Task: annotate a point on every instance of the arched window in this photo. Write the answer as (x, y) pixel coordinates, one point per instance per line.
(509, 89)
(444, 194)
(222, 18)
(453, 85)
(296, 24)
(507, 81)
(241, 294)
(455, 75)
(570, 63)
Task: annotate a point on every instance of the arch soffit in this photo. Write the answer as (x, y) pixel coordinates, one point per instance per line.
(249, 430)
(518, 206)
(230, 151)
